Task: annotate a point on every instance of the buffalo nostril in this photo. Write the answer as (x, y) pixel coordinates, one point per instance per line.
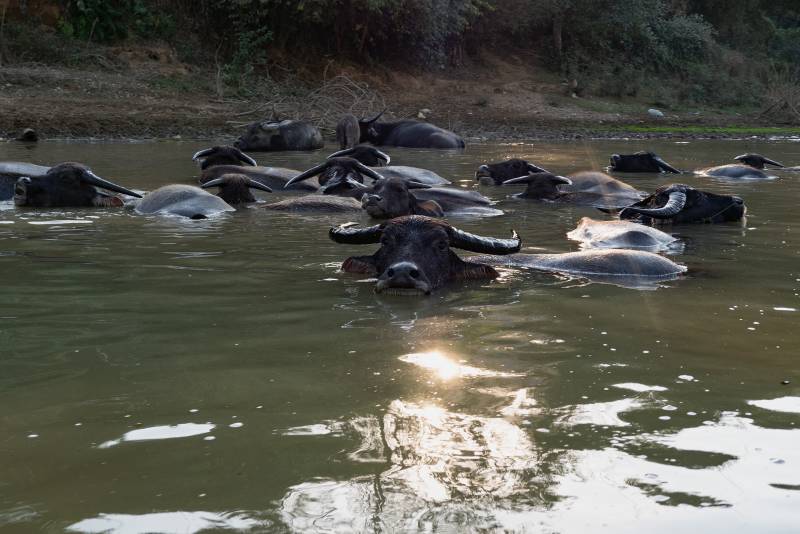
(414, 273)
(390, 273)
(738, 200)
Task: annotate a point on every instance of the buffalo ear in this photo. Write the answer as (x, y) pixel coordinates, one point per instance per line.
(431, 208)
(475, 271)
(360, 265)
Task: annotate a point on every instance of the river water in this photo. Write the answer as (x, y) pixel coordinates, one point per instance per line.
(160, 375)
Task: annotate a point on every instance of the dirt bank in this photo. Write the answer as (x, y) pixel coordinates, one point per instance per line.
(145, 92)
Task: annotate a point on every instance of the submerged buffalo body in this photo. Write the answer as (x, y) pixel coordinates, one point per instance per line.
(183, 201)
(67, 185)
(679, 203)
(407, 133)
(497, 173)
(592, 233)
(325, 204)
(11, 171)
(415, 255)
(268, 136)
(735, 171)
(613, 262)
(640, 162)
(552, 188)
(222, 155)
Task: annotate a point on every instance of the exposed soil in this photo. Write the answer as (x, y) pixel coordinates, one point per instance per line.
(139, 92)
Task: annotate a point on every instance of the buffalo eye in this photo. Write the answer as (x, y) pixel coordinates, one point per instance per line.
(442, 245)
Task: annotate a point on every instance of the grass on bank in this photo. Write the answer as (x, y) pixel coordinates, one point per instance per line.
(700, 129)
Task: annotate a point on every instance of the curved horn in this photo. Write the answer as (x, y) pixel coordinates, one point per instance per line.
(378, 116)
(363, 169)
(534, 168)
(417, 185)
(258, 185)
(331, 184)
(665, 166)
(773, 162)
(203, 153)
(529, 178)
(91, 178)
(340, 153)
(484, 245)
(676, 202)
(213, 183)
(244, 158)
(383, 155)
(313, 171)
(356, 236)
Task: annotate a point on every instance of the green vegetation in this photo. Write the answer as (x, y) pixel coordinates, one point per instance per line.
(667, 53)
(700, 130)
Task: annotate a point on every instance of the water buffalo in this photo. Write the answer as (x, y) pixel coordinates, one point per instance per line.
(316, 204)
(596, 263)
(28, 135)
(497, 173)
(222, 155)
(619, 234)
(11, 171)
(235, 188)
(640, 162)
(344, 167)
(270, 136)
(274, 177)
(415, 257)
(366, 154)
(339, 169)
(757, 161)
(392, 198)
(750, 168)
(599, 182)
(407, 133)
(548, 187)
(67, 185)
(348, 132)
(195, 203)
(679, 203)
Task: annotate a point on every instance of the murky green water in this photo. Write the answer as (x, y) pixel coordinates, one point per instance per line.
(172, 376)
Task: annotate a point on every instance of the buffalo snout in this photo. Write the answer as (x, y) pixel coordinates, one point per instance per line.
(403, 277)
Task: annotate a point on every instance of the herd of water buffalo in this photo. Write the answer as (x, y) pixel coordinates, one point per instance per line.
(415, 254)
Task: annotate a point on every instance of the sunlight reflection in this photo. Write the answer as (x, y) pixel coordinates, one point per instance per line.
(446, 368)
(447, 471)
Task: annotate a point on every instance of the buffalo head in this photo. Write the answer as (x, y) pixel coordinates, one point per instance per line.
(366, 154)
(392, 198)
(222, 155)
(757, 160)
(497, 173)
(414, 257)
(337, 172)
(368, 133)
(540, 185)
(640, 162)
(235, 188)
(67, 185)
(679, 203)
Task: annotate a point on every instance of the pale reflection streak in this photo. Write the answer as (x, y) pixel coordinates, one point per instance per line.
(447, 469)
(165, 523)
(447, 368)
